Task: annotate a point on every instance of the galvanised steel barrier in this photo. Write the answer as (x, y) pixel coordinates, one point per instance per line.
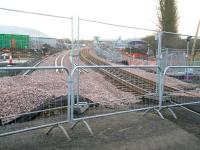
(34, 108)
(187, 95)
(196, 63)
(31, 42)
(27, 40)
(125, 89)
(178, 50)
(117, 43)
(176, 54)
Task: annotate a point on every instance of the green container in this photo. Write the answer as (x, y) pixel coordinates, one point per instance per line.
(20, 41)
(5, 40)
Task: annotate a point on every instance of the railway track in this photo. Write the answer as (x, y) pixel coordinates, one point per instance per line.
(61, 62)
(61, 57)
(27, 72)
(124, 80)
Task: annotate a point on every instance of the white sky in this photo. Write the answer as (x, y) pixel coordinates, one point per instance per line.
(138, 13)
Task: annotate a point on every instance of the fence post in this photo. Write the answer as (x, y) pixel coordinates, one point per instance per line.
(69, 99)
(72, 99)
(78, 48)
(72, 43)
(160, 77)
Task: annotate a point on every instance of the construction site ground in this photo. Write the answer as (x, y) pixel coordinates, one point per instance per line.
(131, 131)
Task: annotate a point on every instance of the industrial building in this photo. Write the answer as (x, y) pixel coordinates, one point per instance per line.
(24, 38)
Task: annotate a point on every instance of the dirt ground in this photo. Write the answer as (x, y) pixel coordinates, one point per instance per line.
(186, 120)
(131, 131)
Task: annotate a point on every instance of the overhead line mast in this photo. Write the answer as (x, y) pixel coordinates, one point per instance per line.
(194, 44)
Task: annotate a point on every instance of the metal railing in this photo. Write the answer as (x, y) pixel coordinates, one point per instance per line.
(188, 95)
(134, 91)
(24, 126)
(132, 103)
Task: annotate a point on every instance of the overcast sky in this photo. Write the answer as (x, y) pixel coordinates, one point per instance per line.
(138, 13)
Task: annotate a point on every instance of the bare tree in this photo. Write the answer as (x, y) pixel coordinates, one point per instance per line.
(168, 15)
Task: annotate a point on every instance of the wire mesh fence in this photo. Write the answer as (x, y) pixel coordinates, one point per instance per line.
(177, 53)
(104, 87)
(179, 50)
(118, 43)
(31, 102)
(187, 93)
(35, 97)
(27, 37)
(109, 54)
(110, 90)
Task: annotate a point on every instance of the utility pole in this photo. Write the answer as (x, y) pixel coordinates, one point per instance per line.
(194, 44)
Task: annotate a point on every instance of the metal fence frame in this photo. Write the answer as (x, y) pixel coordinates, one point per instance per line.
(52, 125)
(162, 72)
(70, 115)
(108, 24)
(46, 15)
(187, 47)
(83, 119)
(161, 106)
(57, 124)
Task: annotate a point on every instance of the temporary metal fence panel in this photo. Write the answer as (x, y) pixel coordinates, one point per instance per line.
(186, 88)
(34, 101)
(114, 44)
(109, 54)
(177, 50)
(118, 43)
(196, 63)
(177, 71)
(26, 37)
(110, 90)
(174, 57)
